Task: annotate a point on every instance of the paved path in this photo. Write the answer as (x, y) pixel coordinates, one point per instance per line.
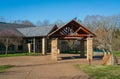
(42, 67)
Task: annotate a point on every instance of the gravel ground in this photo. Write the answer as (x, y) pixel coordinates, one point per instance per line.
(42, 67)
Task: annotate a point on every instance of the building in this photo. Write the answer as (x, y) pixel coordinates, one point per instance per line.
(47, 38)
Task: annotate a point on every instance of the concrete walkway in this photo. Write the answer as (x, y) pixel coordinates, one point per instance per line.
(42, 67)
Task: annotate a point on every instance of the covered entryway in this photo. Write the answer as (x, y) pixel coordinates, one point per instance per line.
(72, 31)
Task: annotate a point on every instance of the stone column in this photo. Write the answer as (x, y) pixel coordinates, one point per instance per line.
(54, 48)
(29, 47)
(43, 45)
(89, 48)
(82, 49)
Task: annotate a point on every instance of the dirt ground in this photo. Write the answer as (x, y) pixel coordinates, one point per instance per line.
(42, 67)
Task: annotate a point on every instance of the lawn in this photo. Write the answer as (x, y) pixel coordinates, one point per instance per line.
(19, 54)
(116, 53)
(3, 68)
(100, 71)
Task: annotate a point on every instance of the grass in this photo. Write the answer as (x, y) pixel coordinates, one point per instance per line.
(3, 68)
(100, 71)
(19, 54)
(116, 53)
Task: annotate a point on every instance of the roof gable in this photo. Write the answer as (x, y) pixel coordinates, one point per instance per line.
(71, 29)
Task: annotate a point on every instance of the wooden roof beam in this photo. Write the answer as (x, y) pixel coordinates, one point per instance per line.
(85, 31)
(78, 35)
(64, 33)
(77, 30)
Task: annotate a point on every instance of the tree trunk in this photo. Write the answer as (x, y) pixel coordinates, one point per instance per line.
(110, 47)
(6, 50)
(16, 48)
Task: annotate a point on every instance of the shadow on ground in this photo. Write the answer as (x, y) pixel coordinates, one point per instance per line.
(78, 57)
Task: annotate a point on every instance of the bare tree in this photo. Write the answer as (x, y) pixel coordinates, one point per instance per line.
(2, 19)
(103, 27)
(9, 37)
(43, 23)
(59, 22)
(24, 22)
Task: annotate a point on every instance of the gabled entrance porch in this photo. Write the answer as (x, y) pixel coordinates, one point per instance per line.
(72, 31)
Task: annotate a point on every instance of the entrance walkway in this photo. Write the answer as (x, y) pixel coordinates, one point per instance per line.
(42, 67)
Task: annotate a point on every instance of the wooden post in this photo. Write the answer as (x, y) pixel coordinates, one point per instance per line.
(25, 46)
(89, 49)
(54, 47)
(34, 45)
(43, 45)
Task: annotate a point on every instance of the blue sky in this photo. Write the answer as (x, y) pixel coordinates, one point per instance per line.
(52, 10)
